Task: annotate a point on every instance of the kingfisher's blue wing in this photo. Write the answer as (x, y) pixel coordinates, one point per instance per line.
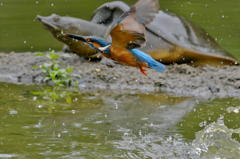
(129, 31)
(143, 57)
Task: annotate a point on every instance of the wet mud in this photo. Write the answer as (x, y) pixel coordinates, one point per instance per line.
(179, 80)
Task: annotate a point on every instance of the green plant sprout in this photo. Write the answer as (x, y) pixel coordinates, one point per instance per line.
(61, 76)
(54, 72)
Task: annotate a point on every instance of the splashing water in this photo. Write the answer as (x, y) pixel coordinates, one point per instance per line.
(215, 141)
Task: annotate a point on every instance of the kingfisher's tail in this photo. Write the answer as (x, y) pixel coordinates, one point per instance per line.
(156, 66)
(143, 57)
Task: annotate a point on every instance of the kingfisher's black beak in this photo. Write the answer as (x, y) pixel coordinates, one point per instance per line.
(74, 36)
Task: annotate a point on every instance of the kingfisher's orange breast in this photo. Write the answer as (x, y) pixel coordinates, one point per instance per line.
(124, 56)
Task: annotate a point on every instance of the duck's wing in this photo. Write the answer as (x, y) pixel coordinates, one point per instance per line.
(145, 10)
(129, 31)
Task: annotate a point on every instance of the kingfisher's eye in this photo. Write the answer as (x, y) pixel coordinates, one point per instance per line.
(88, 40)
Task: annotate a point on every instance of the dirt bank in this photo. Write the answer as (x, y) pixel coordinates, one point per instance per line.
(179, 80)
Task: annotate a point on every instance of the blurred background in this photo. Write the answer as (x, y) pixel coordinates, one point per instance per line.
(19, 30)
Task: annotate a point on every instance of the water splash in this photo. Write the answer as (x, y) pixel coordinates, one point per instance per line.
(155, 147)
(215, 141)
(233, 109)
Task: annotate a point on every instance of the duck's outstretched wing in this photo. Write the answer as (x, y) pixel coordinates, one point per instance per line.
(129, 31)
(145, 10)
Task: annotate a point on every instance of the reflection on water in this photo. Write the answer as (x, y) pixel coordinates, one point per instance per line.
(111, 125)
(21, 32)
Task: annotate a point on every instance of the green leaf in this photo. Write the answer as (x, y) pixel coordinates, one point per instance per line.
(60, 76)
(55, 67)
(35, 67)
(54, 96)
(53, 55)
(40, 54)
(46, 79)
(38, 93)
(69, 69)
(69, 99)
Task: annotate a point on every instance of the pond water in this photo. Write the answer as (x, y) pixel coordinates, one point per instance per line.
(114, 125)
(21, 32)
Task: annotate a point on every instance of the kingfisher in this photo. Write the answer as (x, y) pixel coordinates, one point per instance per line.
(128, 34)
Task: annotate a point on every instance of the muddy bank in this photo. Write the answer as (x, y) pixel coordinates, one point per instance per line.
(179, 80)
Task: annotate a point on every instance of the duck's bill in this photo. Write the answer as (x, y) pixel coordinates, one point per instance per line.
(47, 23)
(76, 37)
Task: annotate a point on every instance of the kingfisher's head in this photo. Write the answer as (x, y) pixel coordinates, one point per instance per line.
(94, 42)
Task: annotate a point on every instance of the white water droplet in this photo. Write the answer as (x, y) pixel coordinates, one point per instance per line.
(24, 41)
(7, 155)
(40, 106)
(223, 16)
(37, 2)
(140, 133)
(38, 125)
(77, 125)
(73, 111)
(85, 128)
(116, 106)
(144, 119)
(125, 134)
(52, 4)
(93, 134)
(13, 112)
(99, 122)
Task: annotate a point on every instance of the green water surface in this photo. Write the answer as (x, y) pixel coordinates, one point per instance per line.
(19, 31)
(108, 125)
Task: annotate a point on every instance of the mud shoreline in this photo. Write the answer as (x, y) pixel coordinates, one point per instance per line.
(179, 80)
